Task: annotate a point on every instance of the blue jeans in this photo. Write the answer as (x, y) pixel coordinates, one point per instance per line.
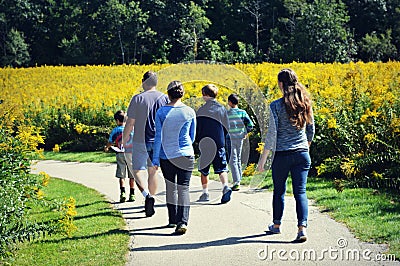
(234, 147)
(298, 164)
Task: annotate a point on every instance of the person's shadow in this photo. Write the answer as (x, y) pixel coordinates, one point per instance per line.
(221, 242)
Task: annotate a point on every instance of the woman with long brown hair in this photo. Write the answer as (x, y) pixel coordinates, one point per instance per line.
(291, 130)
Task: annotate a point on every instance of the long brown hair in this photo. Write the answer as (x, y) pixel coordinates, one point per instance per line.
(297, 102)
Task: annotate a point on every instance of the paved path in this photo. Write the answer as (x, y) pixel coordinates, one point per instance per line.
(229, 234)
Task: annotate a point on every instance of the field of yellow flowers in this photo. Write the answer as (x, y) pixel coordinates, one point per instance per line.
(356, 107)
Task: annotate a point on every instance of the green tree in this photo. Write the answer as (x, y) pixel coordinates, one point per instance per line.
(255, 9)
(373, 18)
(72, 51)
(374, 47)
(315, 32)
(324, 31)
(16, 53)
(193, 23)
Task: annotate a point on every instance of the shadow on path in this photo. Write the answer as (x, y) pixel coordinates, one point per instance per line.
(221, 242)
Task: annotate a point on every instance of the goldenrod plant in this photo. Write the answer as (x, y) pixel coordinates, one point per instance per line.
(356, 108)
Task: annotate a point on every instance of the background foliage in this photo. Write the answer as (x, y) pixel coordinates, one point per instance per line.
(356, 108)
(35, 32)
(20, 191)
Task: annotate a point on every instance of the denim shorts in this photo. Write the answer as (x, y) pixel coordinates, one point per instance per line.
(142, 155)
(219, 162)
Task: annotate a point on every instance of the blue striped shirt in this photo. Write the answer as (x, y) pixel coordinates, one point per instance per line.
(239, 123)
(282, 135)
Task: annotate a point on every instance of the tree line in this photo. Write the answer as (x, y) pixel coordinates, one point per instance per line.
(76, 32)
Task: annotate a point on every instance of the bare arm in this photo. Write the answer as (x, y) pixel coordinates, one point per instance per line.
(130, 123)
(263, 160)
(107, 147)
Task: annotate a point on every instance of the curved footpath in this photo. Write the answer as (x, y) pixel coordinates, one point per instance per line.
(229, 234)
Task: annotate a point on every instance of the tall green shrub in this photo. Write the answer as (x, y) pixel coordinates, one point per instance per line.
(20, 191)
(360, 144)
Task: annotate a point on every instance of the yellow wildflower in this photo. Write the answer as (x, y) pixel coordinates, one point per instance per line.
(370, 138)
(376, 175)
(332, 123)
(364, 118)
(260, 147)
(373, 113)
(68, 213)
(321, 169)
(250, 170)
(39, 194)
(396, 124)
(67, 117)
(45, 178)
(79, 128)
(368, 113)
(56, 148)
(348, 167)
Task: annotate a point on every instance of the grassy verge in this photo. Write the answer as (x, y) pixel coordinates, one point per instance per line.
(372, 215)
(100, 239)
(83, 157)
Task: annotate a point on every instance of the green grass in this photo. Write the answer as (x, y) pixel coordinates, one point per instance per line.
(101, 238)
(372, 215)
(83, 157)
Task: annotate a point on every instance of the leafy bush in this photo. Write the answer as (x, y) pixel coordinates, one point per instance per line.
(20, 190)
(74, 130)
(359, 143)
(356, 108)
(17, 187)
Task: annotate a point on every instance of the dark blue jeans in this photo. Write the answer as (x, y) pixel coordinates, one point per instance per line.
(297, 164)
(177, 173)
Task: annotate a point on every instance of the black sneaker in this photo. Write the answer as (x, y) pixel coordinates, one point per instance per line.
(149, 206)
(122, 197)
(301, 236)
(181, 229)
(171, 225)
(132, 198)
(235, 187)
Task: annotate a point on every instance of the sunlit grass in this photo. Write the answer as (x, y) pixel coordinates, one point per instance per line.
(101, 238)
(94, 157)
(371, 215)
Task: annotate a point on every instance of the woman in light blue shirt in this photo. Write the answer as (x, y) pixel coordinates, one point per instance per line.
(291, 130)
(173, 152)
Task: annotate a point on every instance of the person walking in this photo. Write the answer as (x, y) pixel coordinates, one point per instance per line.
(123, 157)
(291, 131)
(141, 116)
(212, 128)
(239, 125)
(173, 152)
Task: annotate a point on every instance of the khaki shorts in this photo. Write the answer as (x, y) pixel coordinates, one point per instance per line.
(124, 165)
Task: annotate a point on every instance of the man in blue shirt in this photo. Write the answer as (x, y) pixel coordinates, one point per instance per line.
(141, 115)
